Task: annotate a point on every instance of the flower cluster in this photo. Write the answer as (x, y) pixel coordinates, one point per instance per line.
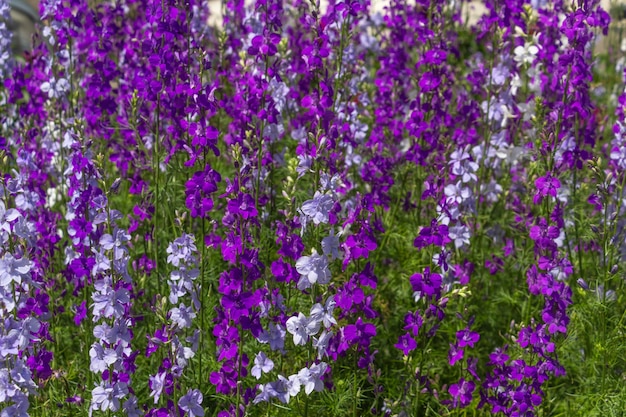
(271, 203)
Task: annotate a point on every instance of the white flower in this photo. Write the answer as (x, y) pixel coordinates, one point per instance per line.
(618, 154)
(157, 383)
(457, 193)
(323, 314)
(525, 54)
(297, 326)
(182, 316)
(460, 235)
(312, 269)
(321, 344)
(262, 364)
(101, 358)
(55, 88)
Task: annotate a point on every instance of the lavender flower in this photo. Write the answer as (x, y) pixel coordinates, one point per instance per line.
(297, 326)
(313, 269)
(310, 378)
(324, 314)
(157, 383)
(322, 343)
(191, 403)
(275, 337)
(330, 246)
(317, 210)
(262, 364)
(106, 396)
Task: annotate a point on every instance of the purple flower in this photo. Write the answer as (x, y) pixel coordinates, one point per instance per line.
(455, 354)
(243, 205)
(546, 186)
(429, 82)
(427, 284)
(462, 393)
(544, 235)
(436, 235)
(466, 337)
(81, 313)
(198, 190)
(359, 246)
(360, 332)
(406, 344)
(413, 322)
(225, 380)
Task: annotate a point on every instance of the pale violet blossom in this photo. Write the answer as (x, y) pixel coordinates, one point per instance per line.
(19, 408)
(157, 383)
(318, 209)
(491, 191)
(499, 74)
(298, 327)
(313, 269)
(324, 314)
(55, 88)
(460, 235)
(116, 334)
(275, 337)
(107, 301)
(283, 389)
(321, 343)
(311, 378)
(116, 242)
(330, 246)
(101, 358)
(131, 408)
(329, 183)
(304, 165)
(462, 166)
(457, 193)
(498, 109)
(191, 403)
(182, 316)
(14, 270)
(106, 396)
(182, 249)
(262, 364)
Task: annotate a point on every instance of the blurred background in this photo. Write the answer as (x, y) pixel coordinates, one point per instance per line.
(25, 15)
